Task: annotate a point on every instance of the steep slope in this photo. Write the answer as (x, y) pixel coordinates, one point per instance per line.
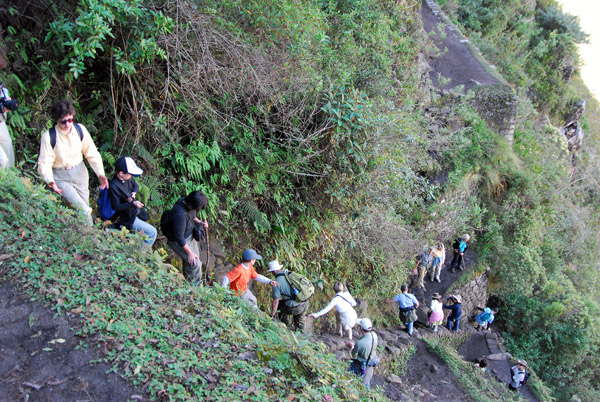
(171, 340)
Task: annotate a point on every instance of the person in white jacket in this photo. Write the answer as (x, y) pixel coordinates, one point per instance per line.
(344, 303)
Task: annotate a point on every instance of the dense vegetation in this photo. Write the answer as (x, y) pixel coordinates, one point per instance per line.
(306, 124)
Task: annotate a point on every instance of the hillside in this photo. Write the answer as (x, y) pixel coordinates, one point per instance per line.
(341, 138)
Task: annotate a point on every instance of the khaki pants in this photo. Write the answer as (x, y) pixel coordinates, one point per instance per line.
(422, 272)
(7, 155)
(75, 184)
(249, 298)
(295, 316)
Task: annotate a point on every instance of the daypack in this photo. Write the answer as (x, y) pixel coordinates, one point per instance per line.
(303, 288)
(52, 133)
(164, 221)
(104, 205)
(527, 375)
(485, 316)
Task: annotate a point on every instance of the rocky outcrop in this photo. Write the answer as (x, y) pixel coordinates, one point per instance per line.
(572, 128)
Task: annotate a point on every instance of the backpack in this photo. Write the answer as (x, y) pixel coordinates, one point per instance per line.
(527, 375)
(52, 133)
(485, 316)
(303, 289)
(104, 205)
(164, 221)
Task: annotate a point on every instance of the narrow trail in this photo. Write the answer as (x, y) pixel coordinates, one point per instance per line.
(456, 61)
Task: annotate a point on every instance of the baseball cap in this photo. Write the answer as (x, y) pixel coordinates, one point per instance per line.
(274, 266)
(250, 254)
(127, 165)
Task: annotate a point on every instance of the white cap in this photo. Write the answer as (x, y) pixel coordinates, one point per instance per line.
(127, 165)
(365, 324)
(274, 266)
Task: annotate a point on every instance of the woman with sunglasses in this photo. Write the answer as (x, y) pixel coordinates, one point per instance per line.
(60, 163)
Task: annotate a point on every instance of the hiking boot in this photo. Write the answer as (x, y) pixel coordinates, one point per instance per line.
(438, 279)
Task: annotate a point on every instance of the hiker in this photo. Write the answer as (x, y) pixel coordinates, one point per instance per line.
(238, 278)
(344, 304)
(364, 352)
(407, 303)
(482, 364)
(122, 191)
(439, 257)
(456, 308)
(460, 246)
(518, 375)
(7, 153)
(485, 318)
(290, 311)
(180, 225)
(424, 262)
(60, 162)
(437, 313)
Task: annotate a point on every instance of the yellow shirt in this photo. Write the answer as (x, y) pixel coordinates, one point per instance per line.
(68, 152)
(439, 252)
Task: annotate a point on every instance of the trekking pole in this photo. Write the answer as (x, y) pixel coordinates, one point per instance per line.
(463, 263)
(207, 277)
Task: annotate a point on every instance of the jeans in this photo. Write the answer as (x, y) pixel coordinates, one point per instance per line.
(409, 327)
(453, 323)
(150, 231)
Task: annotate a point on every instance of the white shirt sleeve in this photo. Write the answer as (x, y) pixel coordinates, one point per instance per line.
(225, 282)
(328, 308)
(262, 279)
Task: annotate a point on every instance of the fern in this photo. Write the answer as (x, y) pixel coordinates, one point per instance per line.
(144, 154)
(249, 210)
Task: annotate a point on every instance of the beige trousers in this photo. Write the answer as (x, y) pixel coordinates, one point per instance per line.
(75, 184)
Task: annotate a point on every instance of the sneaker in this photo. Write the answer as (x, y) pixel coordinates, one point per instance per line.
(438, 279)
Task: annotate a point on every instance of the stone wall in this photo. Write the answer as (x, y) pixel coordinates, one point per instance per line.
(497, 105)
(473, 293)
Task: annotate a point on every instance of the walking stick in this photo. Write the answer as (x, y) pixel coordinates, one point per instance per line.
(207, 277)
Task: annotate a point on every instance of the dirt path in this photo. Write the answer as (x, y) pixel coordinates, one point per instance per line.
(456, 61)
(41, 358)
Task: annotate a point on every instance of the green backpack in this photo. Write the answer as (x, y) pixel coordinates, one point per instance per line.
(303, 289)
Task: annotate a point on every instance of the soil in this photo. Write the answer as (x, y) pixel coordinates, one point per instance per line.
(41, 358)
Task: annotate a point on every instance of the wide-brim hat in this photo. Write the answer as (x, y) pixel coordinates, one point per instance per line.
(457, 298)
(274, 266)
(436, 295)
(522, 362)
(127, 165)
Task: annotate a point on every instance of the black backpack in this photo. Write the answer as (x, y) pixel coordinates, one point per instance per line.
(164, 221)
(527, 375)
(52, 133)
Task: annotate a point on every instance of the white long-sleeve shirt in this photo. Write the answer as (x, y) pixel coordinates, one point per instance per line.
(436, 306)
(342, 306)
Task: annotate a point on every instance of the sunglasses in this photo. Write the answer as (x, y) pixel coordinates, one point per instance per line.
(65, 121)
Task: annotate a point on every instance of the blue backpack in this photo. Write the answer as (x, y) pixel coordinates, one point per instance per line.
(104, 205)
